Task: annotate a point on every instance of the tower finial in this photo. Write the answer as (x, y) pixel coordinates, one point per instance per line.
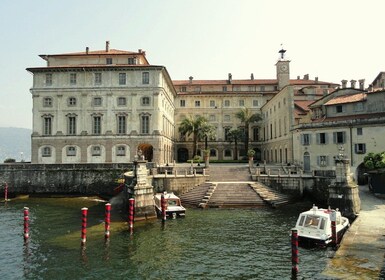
(282, 52)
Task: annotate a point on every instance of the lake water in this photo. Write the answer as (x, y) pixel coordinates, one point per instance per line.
(206, 244)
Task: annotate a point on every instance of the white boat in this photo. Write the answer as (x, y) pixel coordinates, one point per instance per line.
(174, 206)
(314, 226)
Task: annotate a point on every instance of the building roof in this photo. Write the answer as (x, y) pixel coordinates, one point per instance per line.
(349, 117)
(247, 82)
(91, 66)
(97, 52)
(347, 99)
(303, 104)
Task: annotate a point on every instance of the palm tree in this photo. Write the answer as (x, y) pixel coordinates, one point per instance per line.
(247, 117)
(191, 125)
(206, 132)
(234, 135)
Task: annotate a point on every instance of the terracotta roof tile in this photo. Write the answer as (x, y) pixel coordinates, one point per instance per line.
(347, 99)
(97, 52)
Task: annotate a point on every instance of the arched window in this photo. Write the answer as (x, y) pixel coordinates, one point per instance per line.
(96, 151)
(46, 152)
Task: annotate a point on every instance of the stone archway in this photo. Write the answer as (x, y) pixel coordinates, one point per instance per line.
(147, 150)
(182, 155)
(360, 171)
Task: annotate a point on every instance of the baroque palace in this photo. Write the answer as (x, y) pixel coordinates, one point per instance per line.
(102, 106)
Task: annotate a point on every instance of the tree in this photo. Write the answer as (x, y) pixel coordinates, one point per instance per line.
(235, 135)
(206, 132)
(246, 116)
(191, 125)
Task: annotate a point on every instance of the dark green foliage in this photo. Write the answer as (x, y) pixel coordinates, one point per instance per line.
(375, 161)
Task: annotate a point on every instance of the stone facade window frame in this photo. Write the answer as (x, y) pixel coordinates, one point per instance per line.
(121, 151)
(46, 151)
(47, 101)
(48, 79)
(71, 151)
(73, 79)
(96, 150)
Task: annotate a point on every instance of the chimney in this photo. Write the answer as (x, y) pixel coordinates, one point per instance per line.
(344, 82)
(316, 79)
(252, 76)
(353, 83)
(370, 87)
(230, 78)
(107, 46)
(362, 84)
(306, 77)
(298, 77)
(87, 50)
(191, 79)
(139, 50)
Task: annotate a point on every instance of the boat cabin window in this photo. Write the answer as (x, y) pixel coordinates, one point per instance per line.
(171, 202)
(312, 221)
(322, 225)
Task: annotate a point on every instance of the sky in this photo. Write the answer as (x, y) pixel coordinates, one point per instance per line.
(206, 39)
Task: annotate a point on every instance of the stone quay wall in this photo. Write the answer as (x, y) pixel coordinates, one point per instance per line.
(66, 179)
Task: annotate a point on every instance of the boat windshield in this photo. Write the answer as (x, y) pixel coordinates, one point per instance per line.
(312, 221)
(172, 202)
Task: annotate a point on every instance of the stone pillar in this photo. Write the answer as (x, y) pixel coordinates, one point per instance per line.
(143, 193)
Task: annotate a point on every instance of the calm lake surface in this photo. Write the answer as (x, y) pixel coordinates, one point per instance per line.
(206, 244)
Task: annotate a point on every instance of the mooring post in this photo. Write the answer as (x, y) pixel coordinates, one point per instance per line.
(131, 210)
(163, 206)
(107, 221)
(6, 192)
(294, 252)
(334, 230)
(84, 226)
(26, 223)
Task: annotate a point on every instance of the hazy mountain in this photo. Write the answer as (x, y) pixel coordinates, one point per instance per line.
(15, 143)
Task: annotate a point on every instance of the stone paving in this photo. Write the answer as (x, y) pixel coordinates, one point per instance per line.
(361, 252)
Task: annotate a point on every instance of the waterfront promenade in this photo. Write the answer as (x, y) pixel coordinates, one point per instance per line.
(361, 254)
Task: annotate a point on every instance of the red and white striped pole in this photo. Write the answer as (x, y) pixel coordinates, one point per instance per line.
(131, 210)
(107, 221)
(26, 223)
(294, 252)
(84, 226)
(334, 229)
(6, 192)
(163, 207)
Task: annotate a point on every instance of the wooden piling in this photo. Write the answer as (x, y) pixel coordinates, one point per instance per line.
(107, 221)
(84, 226)
(26, 223)
(294, 252)
(131, 209)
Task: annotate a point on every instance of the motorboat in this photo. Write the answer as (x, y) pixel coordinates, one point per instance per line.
(174, 206)
(315, 226)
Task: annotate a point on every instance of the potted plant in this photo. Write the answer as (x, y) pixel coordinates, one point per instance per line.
(197, 159)
(250, 154)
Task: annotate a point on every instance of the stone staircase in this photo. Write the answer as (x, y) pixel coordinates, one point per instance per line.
(229, 173)
(198, 194)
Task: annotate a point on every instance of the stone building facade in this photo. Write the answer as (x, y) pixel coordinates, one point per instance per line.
(101, 107)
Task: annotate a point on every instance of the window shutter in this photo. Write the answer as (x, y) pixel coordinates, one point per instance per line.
(302, 139)
(327, 160)
(318, 136)
(326, 138)
(363, 148)
(343, 137)
(319, 160)
(309, 135)
(356, 148)
(334, 137)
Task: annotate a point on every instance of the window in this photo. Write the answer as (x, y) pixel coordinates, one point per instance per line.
(224, 88)
(213, 153)
(227, 153)
(145, 101)
(359, 131)
(339, 137)
(359, 107)
(241, 103)
(262, 88)
(184, 89)
(197, 89)
(98, 78)
(212, 103)
(96, 151)
(122, 78)
(227, 130)
(212, 118)
(252, 88)
(47, 126)
(97, 101)
(46, 152)
(322, 160)
(145, 124)
(182, 103)
(72, 78)
(122, 101)
(255, 103)
(47, 102)
(108, 60)
(321, 138)
(71, 151)
(305, 139)
(48, 79)
(71, 101)
(360, 148)
(339, 109)
(197, 103)
(120, 151)
(226, 118)
(226, 103)
(97, 125)
(145, 78)
(255, 133)
(132, 60)
(71, 125)
(121, 124)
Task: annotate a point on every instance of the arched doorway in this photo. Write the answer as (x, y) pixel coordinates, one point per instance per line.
(147, 151)
(361, 178)
(306, 162)
(182, 155)
(258, 154)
